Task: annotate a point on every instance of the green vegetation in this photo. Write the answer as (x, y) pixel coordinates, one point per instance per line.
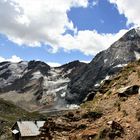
(123, 77)
(12, 113)
(94, 115)
(90, 105)
(9, 114)
(109, 92)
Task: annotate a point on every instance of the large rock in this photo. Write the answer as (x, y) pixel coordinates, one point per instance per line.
(128, 91)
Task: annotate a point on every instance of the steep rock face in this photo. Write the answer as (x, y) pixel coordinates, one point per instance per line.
(105, 63)
(73, 68)
(35, 85)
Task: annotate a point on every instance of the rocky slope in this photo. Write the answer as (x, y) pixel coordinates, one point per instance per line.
(113, 114)
(104, 64)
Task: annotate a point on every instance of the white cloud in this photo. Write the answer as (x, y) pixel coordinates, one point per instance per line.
(53, 64)
(14, 58)
(33, 22)
(89, 42)
(130, 9)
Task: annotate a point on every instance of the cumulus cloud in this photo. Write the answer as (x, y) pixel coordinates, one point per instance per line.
(89, 42)
(33, 22)
(14, 58)
(130, 9)
(37, 22)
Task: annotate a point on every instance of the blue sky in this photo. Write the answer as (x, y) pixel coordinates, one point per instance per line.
(104, 17)
(96, 20)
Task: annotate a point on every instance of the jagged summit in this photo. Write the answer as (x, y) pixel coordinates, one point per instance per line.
(131, 34)
(104, 64)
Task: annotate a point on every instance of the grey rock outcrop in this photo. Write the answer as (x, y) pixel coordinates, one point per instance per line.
(104, 64)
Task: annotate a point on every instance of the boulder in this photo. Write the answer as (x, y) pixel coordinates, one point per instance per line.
(128, 91)
(92, 115)
(114, 130)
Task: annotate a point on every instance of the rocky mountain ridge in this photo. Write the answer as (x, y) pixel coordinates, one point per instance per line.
(113, 114)
(35, 85)
(104, 65)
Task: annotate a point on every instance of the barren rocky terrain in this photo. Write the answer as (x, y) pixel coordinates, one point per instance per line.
(113, 114)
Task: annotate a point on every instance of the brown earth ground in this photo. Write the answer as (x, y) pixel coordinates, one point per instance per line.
(94, 120)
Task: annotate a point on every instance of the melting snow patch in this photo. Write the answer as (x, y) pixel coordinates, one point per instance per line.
(117, 57)
(132, 36)
(55, 85)
(120, 65)
(105, 60)
(73, 106)
(101, 81)
(107, 77)
(97, 85)
(60, 88)
(137, 55)
(138, 30)
(37, 75)
(24, 63)
(17, 70)
(63, 94)
(69, 71)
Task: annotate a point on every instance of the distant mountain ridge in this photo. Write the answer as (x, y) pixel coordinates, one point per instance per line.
(35, 85)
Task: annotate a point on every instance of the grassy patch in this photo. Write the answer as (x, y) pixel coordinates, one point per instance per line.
(93, 115)
(9, 114)
(90, 104)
